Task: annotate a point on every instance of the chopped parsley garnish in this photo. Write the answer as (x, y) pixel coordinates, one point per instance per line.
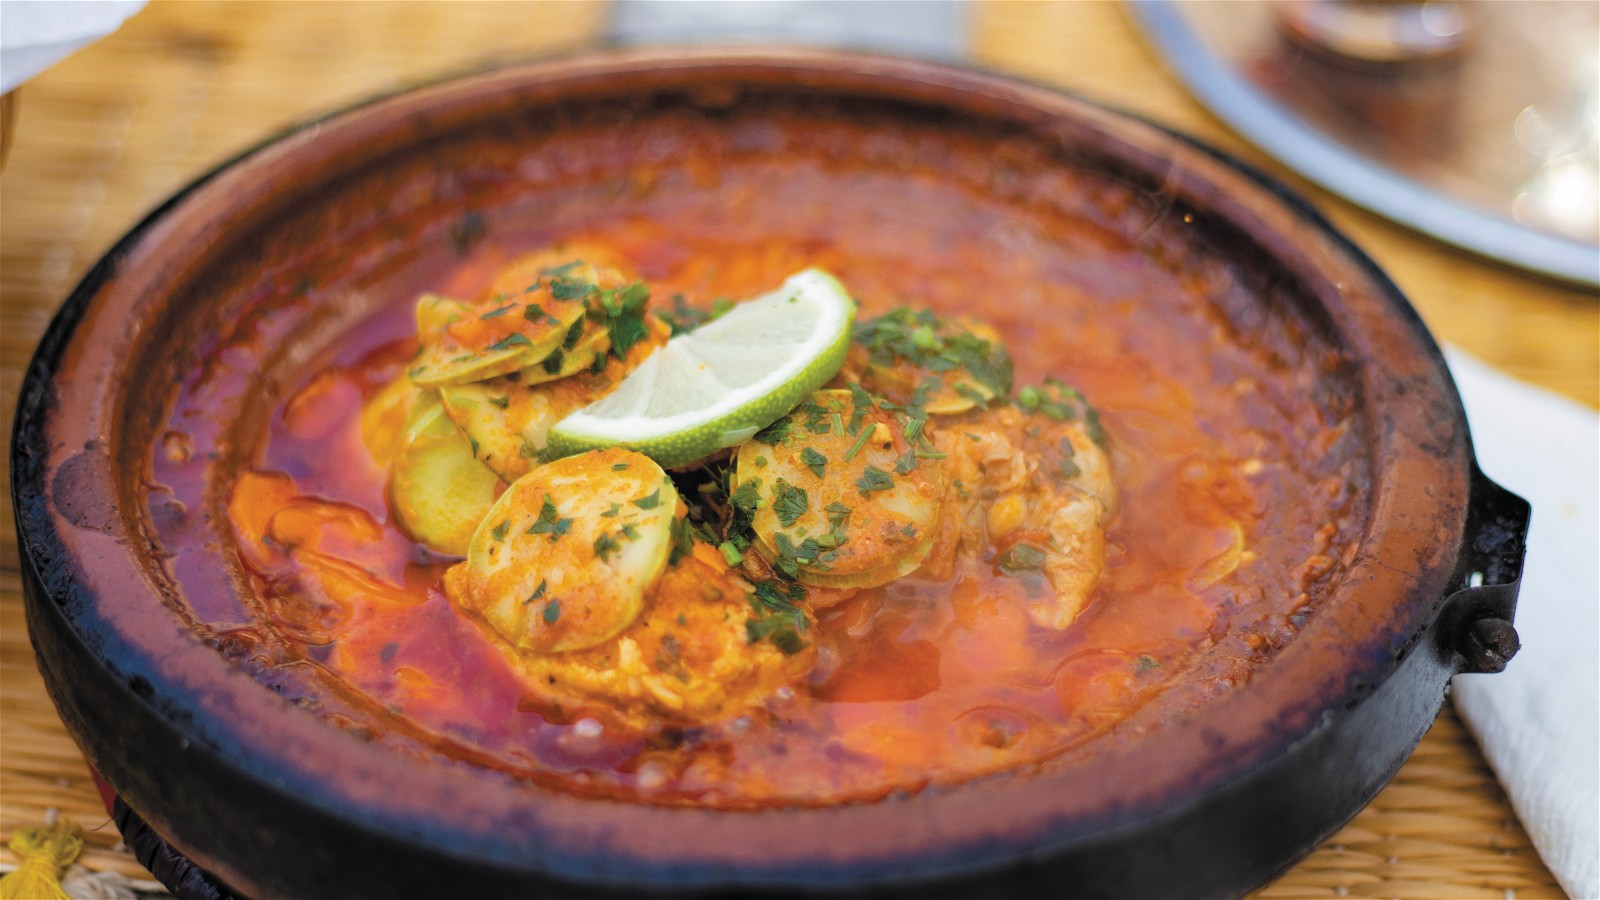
(747, 496)
(515, 339)
(906, 463)
(552, 612)
(618, 467)
(573, 333)
(500, 402)
(683, 318)
(605, 545)
(1022, 557)
(612, 512)
(778, 617)
(650, 502)
(922, 339)
(874, 479)
(630, 531)
(563, 288)
(533, 312)
(552, 363)
(789, 502)
(498, 312)
(775, 432)
(499, 531)
(814, 461)
(838, 515)
(550, 521)
(624, 311)
(537, 592)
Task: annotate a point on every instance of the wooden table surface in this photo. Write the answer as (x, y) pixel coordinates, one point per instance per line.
(106, 135)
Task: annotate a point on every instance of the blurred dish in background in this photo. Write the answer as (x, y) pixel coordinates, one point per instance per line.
(1473, 122)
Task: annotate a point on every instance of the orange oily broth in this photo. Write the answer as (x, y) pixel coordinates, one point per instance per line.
(917, 681)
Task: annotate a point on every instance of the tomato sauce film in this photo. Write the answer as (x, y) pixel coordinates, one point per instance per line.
(1237, 475)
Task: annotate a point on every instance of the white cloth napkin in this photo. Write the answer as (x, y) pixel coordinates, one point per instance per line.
(1538, 722)
(35, 34)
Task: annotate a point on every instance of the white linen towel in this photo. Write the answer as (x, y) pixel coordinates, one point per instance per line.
(1538, 722)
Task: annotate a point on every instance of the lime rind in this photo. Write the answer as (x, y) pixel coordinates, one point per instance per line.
(655, 411)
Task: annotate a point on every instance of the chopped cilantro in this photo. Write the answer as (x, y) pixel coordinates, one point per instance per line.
(563, 288)
(533, 312)
(552, 612)
(1022, 557)
(874, 479)
(814, 461)
(775, 432)
(789, 502)
(499, 531)
(906, 463)
(552, 363)
(550, 521)
(498, 311)
(573, 333)
(612, 512)
(515, 339)
(604, 546)
(624, 308)
(537, 592)
(650, 502)
(747, 496)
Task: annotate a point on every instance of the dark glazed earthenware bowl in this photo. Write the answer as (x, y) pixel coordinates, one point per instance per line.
(275, 800)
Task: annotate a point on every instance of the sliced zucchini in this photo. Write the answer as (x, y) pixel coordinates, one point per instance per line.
(563, 560)
(437, 490)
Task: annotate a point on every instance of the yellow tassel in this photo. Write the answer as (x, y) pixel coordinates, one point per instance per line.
(45, 853)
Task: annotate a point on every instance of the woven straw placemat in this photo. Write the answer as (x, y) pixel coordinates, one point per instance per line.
(109, 133)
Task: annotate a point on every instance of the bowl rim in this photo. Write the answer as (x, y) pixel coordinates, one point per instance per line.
(80, 563)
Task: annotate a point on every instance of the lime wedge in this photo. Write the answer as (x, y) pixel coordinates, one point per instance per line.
(721, 383)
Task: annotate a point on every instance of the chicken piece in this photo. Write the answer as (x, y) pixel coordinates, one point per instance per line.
(838, 495)
(688, 658)
(1035, 486)
(564, 558)
(916, 358)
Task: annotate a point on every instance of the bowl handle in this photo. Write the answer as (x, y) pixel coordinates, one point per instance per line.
(1478, 616)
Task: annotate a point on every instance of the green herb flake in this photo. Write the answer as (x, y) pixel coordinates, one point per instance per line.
(776, 432)
(533, 312)
(538, 592)
(498, 311)
(552, 612)
(747, 496)
(552, 363)
(630, 531)
(612, 512)
(1146, 663)
(550, 521)
(515, 339)
(814, 461)
(1022, 557)
(618, 467)
(500, 402)
(604, 546)
(499, 531)
(650, 502)
(789, 502)
(874, 479)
